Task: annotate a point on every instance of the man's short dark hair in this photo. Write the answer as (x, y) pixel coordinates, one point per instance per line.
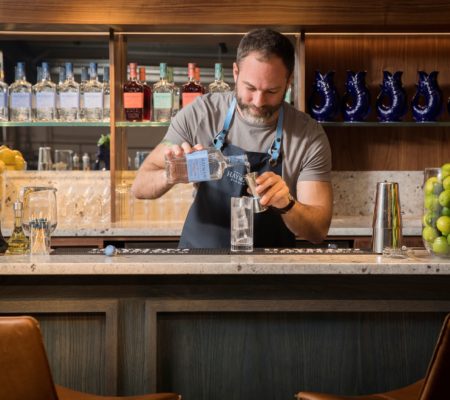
(268, 43)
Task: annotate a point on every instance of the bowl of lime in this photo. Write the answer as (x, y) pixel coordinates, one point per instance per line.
(436, 214)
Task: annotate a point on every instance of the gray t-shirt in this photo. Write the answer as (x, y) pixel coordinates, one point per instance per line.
(305, 148)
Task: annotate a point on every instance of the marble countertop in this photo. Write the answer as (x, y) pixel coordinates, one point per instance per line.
(417, 262)
(340, 226)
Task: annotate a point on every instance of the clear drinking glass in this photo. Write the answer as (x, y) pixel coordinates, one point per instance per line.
(39, 216)
(241, 224)
(436, 213)
(63, 160)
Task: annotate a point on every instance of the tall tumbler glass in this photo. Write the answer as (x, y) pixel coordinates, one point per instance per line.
(242, 224)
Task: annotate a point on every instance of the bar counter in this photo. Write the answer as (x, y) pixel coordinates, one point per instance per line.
(227, 326)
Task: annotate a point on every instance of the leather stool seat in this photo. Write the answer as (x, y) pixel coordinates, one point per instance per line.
(435, 385)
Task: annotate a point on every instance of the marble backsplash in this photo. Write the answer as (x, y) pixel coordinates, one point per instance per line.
(84, 197)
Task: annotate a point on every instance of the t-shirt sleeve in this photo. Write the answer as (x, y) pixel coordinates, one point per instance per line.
(180, 129)
(316, 165)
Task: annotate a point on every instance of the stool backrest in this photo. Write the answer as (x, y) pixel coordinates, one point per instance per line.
(24, 369)
(437, 379)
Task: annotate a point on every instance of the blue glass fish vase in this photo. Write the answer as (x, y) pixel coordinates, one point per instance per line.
(324, 100)
(356, 100)
(391, 102)
(427, 102)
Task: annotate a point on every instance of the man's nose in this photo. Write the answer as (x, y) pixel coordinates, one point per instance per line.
(259, 99)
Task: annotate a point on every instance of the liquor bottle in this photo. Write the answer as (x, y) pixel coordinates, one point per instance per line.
(76, 162)
(61, 79)
(202, 165)
(218, 85)
(83, 81)
(44, 93)
(20, 96)
(106, 95)
(147, 116)
(133, 96)
(162, 96)
(190, 90)
(18, 242)
(3, 93)
(69, 97)
(176, 92)
(86, 160)
(197, 79)
(93, 96)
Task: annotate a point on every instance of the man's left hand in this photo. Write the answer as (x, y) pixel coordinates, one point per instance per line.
(273, 190)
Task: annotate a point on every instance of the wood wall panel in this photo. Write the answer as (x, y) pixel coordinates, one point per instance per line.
(198, 12)
(384, 148)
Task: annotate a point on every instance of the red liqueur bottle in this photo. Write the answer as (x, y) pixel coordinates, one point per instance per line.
(147, 95)
(133, 97)
(191, 89)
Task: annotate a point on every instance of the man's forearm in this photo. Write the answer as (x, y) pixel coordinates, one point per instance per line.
(150, 184)
(308, 222)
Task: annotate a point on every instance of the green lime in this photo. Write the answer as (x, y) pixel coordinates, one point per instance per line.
(446, 182)
(431, 202)
(440, 245)
(445, 170)
(443, 224)
(429, 219)
(444, 198)
(445, 211)
(428, 188)
(429, 234)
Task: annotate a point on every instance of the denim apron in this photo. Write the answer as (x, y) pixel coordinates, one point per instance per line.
(208, 222)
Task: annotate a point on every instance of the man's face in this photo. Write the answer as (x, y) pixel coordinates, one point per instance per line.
(260, 87)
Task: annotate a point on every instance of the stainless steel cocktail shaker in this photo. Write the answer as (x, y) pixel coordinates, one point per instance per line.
(387, 218)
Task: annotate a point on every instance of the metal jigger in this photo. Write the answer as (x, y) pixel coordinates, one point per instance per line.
(387, 219)
(250, 178)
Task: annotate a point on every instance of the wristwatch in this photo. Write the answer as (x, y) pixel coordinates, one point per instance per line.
(284, 210)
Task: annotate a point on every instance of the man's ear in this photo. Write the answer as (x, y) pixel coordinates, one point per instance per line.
(235, 72)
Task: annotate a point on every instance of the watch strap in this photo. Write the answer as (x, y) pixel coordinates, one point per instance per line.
(284, 210)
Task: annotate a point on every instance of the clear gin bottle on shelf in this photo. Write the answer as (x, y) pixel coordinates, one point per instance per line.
(44, 93)
(162, 96)
(106, 95)
(93, 96)
(176, 92)
(20, 96)
(69, 97)
(202, 165)
(3, 93)
(219, 85)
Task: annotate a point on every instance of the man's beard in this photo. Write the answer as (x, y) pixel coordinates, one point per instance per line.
(263, 115)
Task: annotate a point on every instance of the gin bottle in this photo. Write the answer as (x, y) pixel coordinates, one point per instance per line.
(147, 115)
(176, 92)
(20, 96)
(162, 96)
(69, 97)
(44, 93)
(18, 242)
(106, 95)
(133, 96)
(61, 80)
(191, 89)
(202, 165)
(3, 93)
(93, 96)
(218, 85)
(83, 81)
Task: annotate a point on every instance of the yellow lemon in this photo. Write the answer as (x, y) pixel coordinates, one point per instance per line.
(19, 163)
(17, 153)
(7, 156)
(2, 166)
(445, 169)
(444, 198)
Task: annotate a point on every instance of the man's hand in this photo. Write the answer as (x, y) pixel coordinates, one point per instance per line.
(176, 150)
(273, 190)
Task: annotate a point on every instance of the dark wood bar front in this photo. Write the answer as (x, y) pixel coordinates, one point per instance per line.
(232, 327)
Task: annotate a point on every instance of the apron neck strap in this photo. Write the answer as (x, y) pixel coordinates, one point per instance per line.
(219, 140)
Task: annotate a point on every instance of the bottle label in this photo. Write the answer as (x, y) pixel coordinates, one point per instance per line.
(69, 100)
(45, 100)
(133, 100)
(107, 101)
(198, 166)
(3, 100)
(162, 101)
(21, 100)
(188, 98)
(93, 100)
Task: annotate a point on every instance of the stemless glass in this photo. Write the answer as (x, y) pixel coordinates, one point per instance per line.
(39, 216)
(436, 214)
